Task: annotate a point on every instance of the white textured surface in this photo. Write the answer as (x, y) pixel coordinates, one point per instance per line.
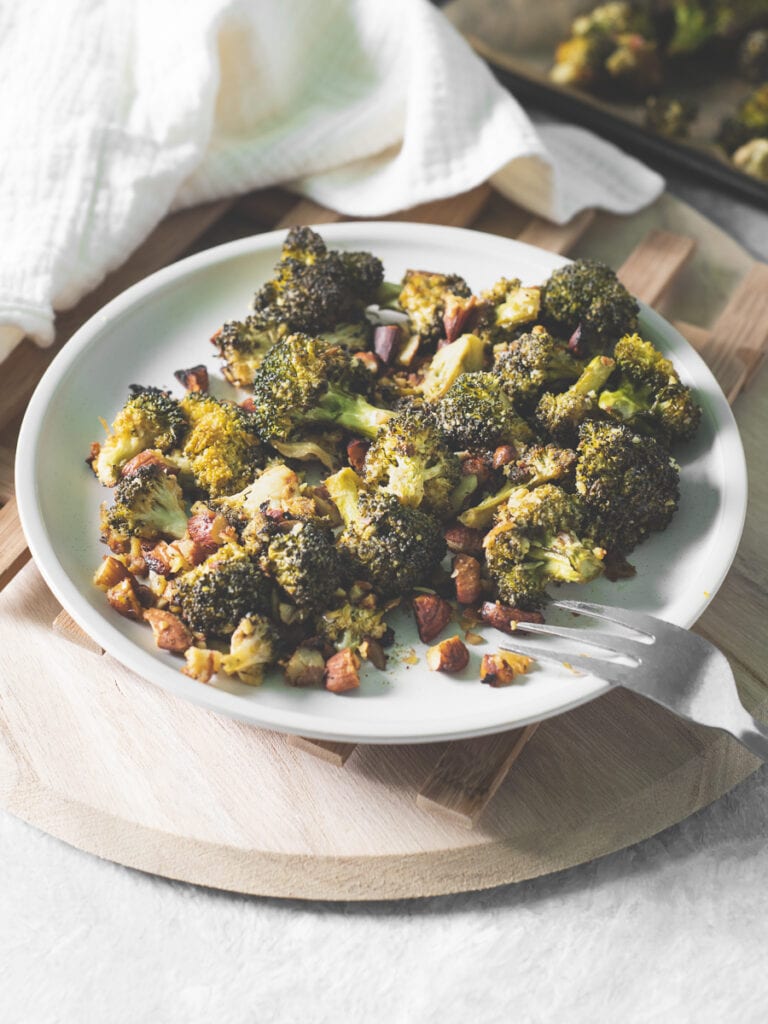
(113, 112)
(673, 930)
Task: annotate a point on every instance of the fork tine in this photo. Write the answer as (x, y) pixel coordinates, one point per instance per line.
(610, 671)
(607, 641)
(636, 621)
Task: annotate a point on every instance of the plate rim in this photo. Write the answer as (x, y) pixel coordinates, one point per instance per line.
(131, 656)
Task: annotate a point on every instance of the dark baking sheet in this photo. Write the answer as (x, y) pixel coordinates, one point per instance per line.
(518, 38)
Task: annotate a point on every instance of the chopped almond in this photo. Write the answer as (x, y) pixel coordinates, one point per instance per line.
(503, 455)
(124, 599)
(356, 451)
(502, 617)
(169, 631)
(195, 378)
(305, 667)
(149, 457)
(502, 668)
(433, 614)
(466, 573)
(464, 539)
(110, 573)
(449, 655)
(371, 650)
(209, 530)
(342, 672)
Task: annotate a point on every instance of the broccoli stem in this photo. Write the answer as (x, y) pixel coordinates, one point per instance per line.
(350, 411)
(593, 376)
(344, 488)
(625, 403)
(481, 515)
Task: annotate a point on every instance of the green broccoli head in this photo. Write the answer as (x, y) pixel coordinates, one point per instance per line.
(532, 364)
(148, 504)
(215, 596)
(388, 544)
(477, 414)
(411, 459)
(629, 485)
(304, 383)
(242, 344)
(509, 307)
(149, 419)
(351, 624)
(586, 301)
(423, 297)
(314, 289)
(221, 452)
(305, 564)
(538, 539)
(649, 396)
(750, 121)
(560, 415)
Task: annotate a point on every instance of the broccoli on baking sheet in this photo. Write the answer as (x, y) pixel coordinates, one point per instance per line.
(532, 364)
(649, 396)
(305, 384)
(148, 504)
(410, 457)
(628, 483)
(476, 413)
(539, 538)
(390, 545)
(585, 302)
(149, 419)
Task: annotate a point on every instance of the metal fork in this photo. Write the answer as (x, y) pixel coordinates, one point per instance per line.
(672, 666)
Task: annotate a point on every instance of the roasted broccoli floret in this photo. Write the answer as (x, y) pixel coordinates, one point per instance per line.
(391, 546)
(634, 65)
(587, 302)
(213, 597)
(537, 540)
(650, 396)
(510, 306)
(753, 56)
(411, 459)
(629, 485)
(314, 289)
(148, 504)
(559, 415)
(670, 116)
(255, 644)
(476, 413)
(532, 364)
(305, 564)
(149, 419)
(465, 355)
(699, 23)
(351, 624)
(750, 121)
(221, 453)
(539, 464)
(304, 383)
(242, 344)
(423, 297)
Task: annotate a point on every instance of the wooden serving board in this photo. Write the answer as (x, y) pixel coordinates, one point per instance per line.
(93, 754)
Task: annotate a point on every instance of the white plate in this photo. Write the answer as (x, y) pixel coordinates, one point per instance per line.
(164, 322)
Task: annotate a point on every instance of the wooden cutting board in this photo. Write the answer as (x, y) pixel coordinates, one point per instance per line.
(93, 754)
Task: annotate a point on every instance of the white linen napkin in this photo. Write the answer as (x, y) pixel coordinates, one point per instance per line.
(114, 113)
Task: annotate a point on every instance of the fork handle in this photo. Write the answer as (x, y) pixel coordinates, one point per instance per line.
(754, 737)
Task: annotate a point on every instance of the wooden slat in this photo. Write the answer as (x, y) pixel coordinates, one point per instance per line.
(559, 238)
(653, 264)
(168, 241)
(739, 336)
(468, 774)
(66, 627)
(457, 211)
(14, 552)
(307, 212)
(6, 473)
(326, 750)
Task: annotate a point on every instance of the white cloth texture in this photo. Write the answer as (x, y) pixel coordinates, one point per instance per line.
(114, 113)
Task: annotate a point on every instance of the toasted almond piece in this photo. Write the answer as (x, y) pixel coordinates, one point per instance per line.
(110, 573)
(342, 672)
(169, 631)
(502, 617)
(449, 655)
(149, 457)
(356, 451)
(210, 530)
(503, 455)
(461, 315)
(371, 650)
(369, 361)
(464, 539)
(473, 638)
(502, 668)
(124, 599)
(466, 573)
(386, 341)
(195, 378)
(305, 667)
(201, 664)
(433, 614)
(158, 558)
(93, 453)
